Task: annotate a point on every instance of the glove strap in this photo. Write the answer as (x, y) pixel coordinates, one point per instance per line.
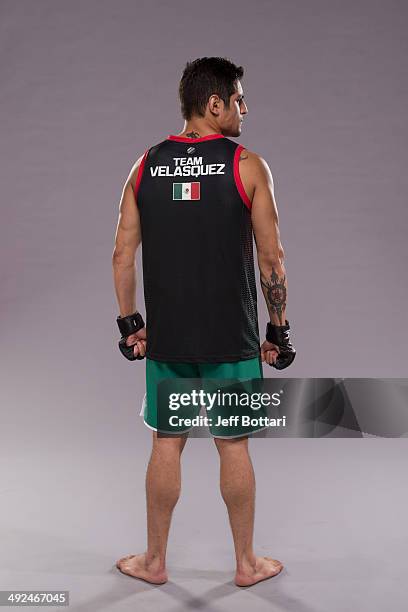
(278, 334)
(130, 324)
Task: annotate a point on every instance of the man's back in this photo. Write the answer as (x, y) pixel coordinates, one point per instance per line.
(198, 268)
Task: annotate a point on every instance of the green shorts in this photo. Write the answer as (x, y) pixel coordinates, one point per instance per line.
(155, 417)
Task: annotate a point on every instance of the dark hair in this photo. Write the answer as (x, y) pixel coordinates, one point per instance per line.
(202, 78)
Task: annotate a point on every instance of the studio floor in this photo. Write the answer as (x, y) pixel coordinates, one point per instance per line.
(332, 510)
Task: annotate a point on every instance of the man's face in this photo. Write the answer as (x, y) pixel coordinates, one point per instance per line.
(231, 118)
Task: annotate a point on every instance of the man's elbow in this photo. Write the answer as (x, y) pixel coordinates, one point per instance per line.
(271, 258)
(122, 259)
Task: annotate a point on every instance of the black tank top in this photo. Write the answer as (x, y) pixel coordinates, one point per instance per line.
(197, 252)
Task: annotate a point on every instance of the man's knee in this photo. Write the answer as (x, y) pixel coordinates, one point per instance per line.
(227, 445)
(169, 444)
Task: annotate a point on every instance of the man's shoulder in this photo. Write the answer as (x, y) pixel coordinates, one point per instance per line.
(253, 168)
(134, 171)
(136, 168)
(253, 159)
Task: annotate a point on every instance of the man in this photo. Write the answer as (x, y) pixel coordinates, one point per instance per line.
(193, 201)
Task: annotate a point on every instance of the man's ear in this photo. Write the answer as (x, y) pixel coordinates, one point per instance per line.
(215, 104)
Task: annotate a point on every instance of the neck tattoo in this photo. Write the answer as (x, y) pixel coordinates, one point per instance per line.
(193, 135)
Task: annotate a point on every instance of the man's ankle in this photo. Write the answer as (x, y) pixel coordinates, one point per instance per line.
(246, 561)
(155, 561)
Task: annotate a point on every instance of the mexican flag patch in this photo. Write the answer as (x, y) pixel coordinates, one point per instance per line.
(186, 191)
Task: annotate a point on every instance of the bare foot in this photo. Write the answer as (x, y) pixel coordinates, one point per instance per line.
(135, 565)
(265, 567)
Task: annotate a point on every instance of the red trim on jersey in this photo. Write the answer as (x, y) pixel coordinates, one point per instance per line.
(139, 173)
(192, 140)
(237, 178)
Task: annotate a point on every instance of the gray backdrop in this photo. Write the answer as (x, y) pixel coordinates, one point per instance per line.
(86, 87)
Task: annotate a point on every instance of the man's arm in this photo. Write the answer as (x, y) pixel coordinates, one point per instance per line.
(265, 223)
(127, 239)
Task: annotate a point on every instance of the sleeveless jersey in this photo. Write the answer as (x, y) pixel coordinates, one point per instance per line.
(197, 252)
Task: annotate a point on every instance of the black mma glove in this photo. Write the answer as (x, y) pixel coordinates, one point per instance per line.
(279, 335)
(127, 326)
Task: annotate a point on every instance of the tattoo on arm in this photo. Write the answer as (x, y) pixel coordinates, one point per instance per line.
(193, 135)
(276, 294)
(243, 155)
